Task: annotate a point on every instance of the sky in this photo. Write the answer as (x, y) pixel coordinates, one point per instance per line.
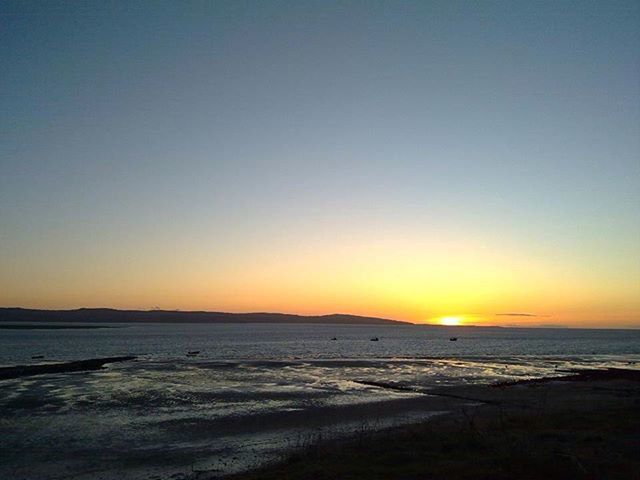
(411, 160)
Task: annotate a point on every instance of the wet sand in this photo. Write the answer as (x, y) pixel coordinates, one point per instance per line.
(586, 425)
(184, 419)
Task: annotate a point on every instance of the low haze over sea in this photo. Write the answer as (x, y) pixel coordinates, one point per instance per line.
(252, 391)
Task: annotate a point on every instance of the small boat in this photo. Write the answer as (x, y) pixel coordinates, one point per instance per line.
(334, 338)
(37, 357)
(193, 353)
(375, 339)
(453, 339)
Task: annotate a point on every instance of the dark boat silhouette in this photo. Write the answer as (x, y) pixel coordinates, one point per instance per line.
(375, 339)
(37, 357)
(193, 353)
(334, 338)
(453, 339)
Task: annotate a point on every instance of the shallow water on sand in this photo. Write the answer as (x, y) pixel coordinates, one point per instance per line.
(253, 390)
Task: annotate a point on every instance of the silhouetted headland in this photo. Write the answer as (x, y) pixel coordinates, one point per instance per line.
(107, 315)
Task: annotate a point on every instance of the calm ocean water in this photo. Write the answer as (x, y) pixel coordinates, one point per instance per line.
(253, 390)
(277, 342)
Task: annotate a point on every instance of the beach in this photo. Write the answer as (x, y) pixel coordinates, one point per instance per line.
(585, 427)
(131, 403)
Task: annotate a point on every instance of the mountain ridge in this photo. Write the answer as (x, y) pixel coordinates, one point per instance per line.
(112, 315)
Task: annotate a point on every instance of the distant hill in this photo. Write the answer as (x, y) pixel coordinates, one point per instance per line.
(110, 315)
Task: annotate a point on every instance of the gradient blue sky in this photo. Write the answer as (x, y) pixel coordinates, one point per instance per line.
(322, 156)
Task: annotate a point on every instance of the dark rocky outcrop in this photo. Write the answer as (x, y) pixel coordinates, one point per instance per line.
(582, 375)
(77, 366)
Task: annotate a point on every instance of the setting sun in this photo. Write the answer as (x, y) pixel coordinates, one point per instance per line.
(450, 321)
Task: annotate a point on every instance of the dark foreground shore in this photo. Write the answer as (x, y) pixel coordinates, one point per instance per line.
(586, 426)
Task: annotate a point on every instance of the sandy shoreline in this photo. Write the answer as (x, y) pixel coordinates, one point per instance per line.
(586, 427)
(169, 429)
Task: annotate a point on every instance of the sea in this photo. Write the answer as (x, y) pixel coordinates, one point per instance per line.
(254, 392)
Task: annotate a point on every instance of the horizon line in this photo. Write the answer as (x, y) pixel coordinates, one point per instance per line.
(410, 322)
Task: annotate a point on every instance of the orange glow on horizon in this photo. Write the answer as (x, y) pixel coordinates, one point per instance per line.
(416, 277)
